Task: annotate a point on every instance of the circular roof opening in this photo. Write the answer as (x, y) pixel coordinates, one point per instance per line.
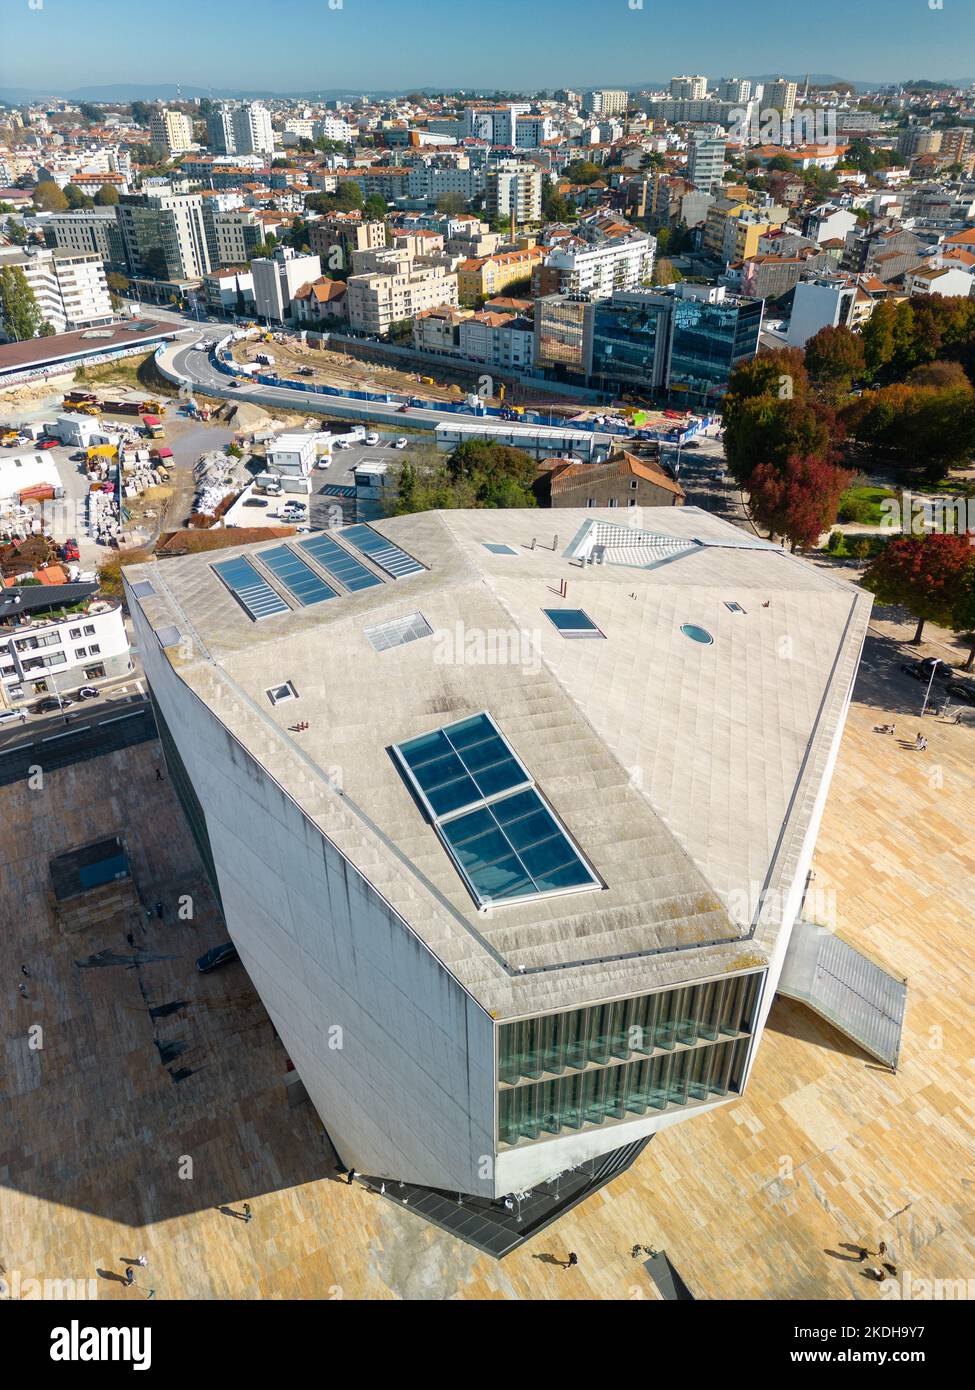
(697, 634)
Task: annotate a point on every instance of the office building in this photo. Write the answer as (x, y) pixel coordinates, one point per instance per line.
(91, 229)
(506, 927)
(164, 235)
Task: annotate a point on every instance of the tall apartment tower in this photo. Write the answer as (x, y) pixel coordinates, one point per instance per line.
(220, 130)
(252, 129)
(780, 95)
(705, 158)
(606, 102)
(514, 188)
(689, 88)
(735, 89)
(170, 132)
(509, 918)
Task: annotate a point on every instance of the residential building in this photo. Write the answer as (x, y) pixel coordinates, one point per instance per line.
(606, 102)
(737, 90)
(499, 341)
(378, 301)
(276, 280)
(481, 278)
(585, 271)
(944, 280)
(719, 213)
(233, 235)
(624, 480)
(884, 249)
(513, 188)
(91, 229)
(322, 303)
(918, 140)
(220, 129)
(170, 132)
(688, 88)
(44, 651)
(825, 302)
(229, 291)
(69, 287)
(337, 237)
(252, 129)
(547, 960)
(780, 95)
(705, 158)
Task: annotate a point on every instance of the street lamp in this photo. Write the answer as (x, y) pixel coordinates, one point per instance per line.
(936, 662)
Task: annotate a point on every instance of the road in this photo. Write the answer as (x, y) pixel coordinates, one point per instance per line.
(704, 477)
(59, 741)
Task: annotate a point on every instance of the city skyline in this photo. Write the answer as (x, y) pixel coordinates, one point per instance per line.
(48, 51)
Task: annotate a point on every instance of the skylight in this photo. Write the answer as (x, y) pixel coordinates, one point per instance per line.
(572, 622)
(496, 548)
(398, 631)
(252, 592)
(298, 578)
(504, 840)
(384, 553)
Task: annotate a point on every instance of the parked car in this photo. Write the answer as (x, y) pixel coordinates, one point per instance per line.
(48, 443)
(50, 705)
(254, 502)
(340, 444)
(400, 443)
(921, 670)
(233, 384)
(88, 692)
(372, 438)
(216, 956)
(962, 690)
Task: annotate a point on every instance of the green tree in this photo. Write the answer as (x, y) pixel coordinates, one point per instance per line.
(107, 196)
(140, 113)
(582, 171)
(375, 207)
(21, 316)
(94, 115)
(49, 198)
(450, 204)
(834, 359)
(77, 198)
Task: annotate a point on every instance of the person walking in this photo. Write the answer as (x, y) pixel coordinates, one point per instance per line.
(142, 1261)
(25, 971)
(22, 991)
(129, 1275)
(350, 1176)
(572, 1260)
(159, 775)
(247, 1211)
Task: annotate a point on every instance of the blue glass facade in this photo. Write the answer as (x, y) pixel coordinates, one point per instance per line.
(707, 341)
(627, 340)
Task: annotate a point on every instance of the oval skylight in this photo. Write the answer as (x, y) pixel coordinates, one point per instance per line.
(697, 634)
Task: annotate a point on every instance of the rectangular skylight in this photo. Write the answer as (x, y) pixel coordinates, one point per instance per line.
(398, 631)
(506, 843)
(253, 593)
(297, 577)
(143, 589)
(337, 562)
(386, 555)
(572, 622)
(496, 548)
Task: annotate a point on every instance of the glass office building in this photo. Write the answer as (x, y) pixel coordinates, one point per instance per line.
(629, 343)
(623, 1059)
(708, 339)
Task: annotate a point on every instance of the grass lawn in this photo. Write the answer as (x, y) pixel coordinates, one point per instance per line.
(863, 504)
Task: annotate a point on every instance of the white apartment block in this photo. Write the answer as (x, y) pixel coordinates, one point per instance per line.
(68, 286)
(170, 132)
(735, 89)
(333, 128)
(252, 129)
(620, 263)
(40, 655)
(780, 95)
(378, 301)
(277, 278)
(606, 102)
(514, 187)
(689, 88)
(499, 341)
(433, 181)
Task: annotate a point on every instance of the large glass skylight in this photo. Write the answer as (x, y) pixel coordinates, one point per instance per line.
(384, 553)
(250, 589)
(572, 622)
(298, 578)
(482, 800)
(398, 631)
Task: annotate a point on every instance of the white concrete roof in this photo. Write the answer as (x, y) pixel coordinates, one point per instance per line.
(686, 773)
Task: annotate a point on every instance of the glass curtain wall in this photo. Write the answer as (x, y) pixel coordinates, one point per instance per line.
(674, 1047)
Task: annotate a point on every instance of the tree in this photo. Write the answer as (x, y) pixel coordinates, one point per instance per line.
(581, 171)
(77, 198)
(46, 330)
(451, 204)
(107, 196)
(834, 358)
(49, 198)
(265, 249)
(665, 272)
(297, 235)
(375, 207)
(928, 575)
(21, 316)
(769, 415)
(116, 282)
(780, 163)
(940, 375)
(140, 113)
(94, 115)
(799, 501)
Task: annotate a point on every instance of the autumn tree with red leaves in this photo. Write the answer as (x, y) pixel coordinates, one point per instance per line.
(800, 501)
(931, 576)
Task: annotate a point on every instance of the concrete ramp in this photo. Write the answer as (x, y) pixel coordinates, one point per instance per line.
(857, 996)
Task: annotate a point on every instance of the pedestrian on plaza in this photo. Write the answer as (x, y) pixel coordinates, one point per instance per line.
(129, 1275)
(159, 775)
(24, 971)
(142, 1261)
(160, 909)
(350, 1176)
(247, 1211)
(572, 1260)
(862, 1253)
(22, 991)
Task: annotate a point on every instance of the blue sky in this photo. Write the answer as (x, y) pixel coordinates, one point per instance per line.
(286, 45)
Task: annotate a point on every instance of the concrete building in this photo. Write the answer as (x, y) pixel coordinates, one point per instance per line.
(606, 102)
(170, 132)
(89, 229)
(584, 271)
(232, 235)
(220, 129)
(164, 235)
(499, 959)
(512, 187)
(952, 281)
(688, 88)
(826, 302)
(252, 129)
(292, 455)
(276, 280)
(481, 278)
(69, 287)
(376, 301)
(734, 89)
(918, 140)
(780, 95)
(337, 237)
(624, 480)
(43, 651)
(705, 158)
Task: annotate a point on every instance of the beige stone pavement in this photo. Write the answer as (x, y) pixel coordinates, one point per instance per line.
(755, 1200)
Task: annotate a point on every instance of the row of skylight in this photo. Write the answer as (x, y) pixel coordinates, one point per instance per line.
(504, 840)
(306, 586)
